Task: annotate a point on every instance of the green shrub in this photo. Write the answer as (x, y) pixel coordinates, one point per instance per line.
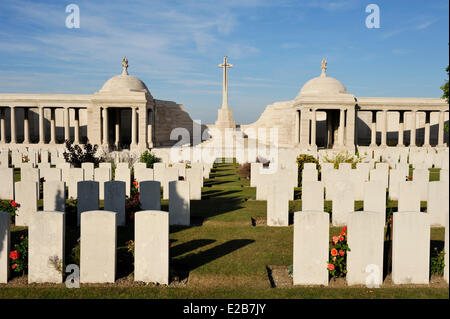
(149, 159)
(343, 157)
(301, 160)
(437, 262)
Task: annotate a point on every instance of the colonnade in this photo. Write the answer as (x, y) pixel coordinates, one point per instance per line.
(427, 137)
(26, 124)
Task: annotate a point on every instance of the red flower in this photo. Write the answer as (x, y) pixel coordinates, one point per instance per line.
(14, 255)
(344, 229)
(341, 238)
(330, 266)
(342, 233)
(334, 252)
(342, 253)
(335, 239)
(13, 203)
(14, 266)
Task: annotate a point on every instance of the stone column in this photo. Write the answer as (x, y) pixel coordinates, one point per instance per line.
(133, 126)
(426, 141)
(401, 128)
(313, 128)
(150, 128)
(26, 126)
(297, 127)
(384, 129)
(66, 124)
(412, 135)
(341, 127)
(13, 125)
(373, 130)
(77, 126)
(142, 127)
(441, 129)
(52, 126)
(105, 126)
(41, 125)
(2, 125)
(117, 128)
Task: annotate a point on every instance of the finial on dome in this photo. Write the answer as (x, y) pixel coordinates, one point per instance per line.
(125, 66)
(324, 67)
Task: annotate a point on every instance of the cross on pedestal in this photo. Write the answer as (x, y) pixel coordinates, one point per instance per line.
(225, 65)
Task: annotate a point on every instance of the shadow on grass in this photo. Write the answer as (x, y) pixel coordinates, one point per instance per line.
(195, 260)
(214, 193)
(189, 246)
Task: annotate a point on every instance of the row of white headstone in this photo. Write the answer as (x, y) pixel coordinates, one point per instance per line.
(98, 258)
(35, 157)
(345, 185)
(114, 199)
(365, 238)
(103, 173)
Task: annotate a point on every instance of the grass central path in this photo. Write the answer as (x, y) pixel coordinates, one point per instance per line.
(224, 255)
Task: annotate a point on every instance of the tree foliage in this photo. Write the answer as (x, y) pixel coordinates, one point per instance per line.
(76, 155)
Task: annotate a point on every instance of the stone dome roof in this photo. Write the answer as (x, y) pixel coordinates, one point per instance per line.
(124, 83)
(323, 85)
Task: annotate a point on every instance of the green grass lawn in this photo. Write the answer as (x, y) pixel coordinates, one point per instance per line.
(222, 253)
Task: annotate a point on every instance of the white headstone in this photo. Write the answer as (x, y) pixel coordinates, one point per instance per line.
(7, 184)
(437, 204)
(102, 175)
(409, 197)
(151, 250)
(194, 176)
(375, 198)
(46, 247)
(422, 178)
(5, 224)
(115, 200)
(72, 176)
(170, 175)
(312, 196)
(87, 197)
(88, 171)
(278, 204)
(54, 196)
(124, 175)
(343, 202)
(98, 246)
(365, 237)
(27, 198)
(311, 247)
(411, 248)
(150, 195)
(51, 174)
(179, 204)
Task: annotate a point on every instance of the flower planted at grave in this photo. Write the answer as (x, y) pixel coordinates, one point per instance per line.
(337, 263)
(19, 256)
(9, 206)
(132, 203)
(25, 159)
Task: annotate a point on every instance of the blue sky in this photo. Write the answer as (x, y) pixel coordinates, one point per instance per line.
(274, 46)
